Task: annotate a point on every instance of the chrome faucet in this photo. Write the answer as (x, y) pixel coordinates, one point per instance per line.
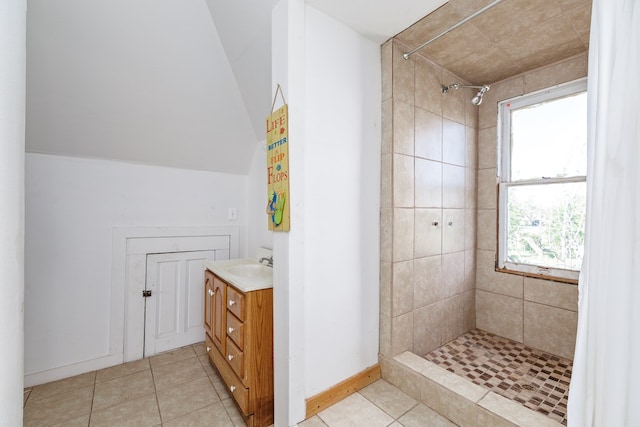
(269, 261)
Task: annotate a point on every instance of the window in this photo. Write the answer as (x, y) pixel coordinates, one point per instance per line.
(543, 150)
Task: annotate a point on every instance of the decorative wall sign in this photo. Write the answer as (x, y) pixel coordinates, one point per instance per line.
(278, 166)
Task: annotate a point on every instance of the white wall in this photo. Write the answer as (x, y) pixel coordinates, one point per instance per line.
(258, 228)
(72, 205)
(342, 182)
(12, 104)
(326, 275)
(287, 69)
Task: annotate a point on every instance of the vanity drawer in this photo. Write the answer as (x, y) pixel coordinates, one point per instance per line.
(208, 343)
(235, 330)
(235, 302)
(235, 357)
(234, 384)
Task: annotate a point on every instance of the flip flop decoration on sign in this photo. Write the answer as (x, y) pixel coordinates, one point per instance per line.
(277, 218)
(278, 166)
(275, 207)
(271, 205)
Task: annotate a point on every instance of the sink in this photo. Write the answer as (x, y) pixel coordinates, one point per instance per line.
(251, 270)
(245, 274)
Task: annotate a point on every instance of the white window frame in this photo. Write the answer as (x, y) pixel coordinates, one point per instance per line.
(504, 173)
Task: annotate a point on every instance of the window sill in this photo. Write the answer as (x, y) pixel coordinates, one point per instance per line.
(538, 276)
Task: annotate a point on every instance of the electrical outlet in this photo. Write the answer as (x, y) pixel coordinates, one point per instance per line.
(232, 214)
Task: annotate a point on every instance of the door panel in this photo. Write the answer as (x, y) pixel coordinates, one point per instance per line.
(218, 314)
(173, 312)
(208, 303)
(167, 283)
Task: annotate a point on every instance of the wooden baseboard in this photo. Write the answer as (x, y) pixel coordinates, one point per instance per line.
(322, 401)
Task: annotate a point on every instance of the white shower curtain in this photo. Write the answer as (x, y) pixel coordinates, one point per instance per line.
(605, 384)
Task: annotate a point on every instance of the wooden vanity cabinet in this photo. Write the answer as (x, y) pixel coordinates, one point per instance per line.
(239, 340)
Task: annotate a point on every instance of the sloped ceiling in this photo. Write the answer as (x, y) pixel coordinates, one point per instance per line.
(181, 83)
(244, 28)
(145, 81)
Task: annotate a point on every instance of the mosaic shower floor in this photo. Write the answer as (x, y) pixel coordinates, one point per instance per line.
(533, 378)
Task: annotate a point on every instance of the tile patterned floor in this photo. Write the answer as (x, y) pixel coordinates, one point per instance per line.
(378, 405)
(537, 380)
(179, 388)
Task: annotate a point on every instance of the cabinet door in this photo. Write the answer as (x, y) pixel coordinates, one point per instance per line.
(173, 311)
(219, 311)
(208, 303)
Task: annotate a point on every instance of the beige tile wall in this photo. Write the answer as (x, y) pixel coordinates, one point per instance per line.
(539, 313)
(439, 166)
(428, 206)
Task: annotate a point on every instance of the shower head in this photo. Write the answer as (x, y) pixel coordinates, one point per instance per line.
(476, 100)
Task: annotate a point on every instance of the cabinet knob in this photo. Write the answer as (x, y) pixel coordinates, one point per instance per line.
(211, 292)
(208, 349)
(230, 357)
(231, 302)
(230, 330)
(232, 388)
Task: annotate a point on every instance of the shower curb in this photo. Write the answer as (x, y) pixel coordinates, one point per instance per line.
(456, 398)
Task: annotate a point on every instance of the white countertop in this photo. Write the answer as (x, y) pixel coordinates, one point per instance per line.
(244, 283)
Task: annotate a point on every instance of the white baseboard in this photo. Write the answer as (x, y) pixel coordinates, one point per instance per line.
(67, 371)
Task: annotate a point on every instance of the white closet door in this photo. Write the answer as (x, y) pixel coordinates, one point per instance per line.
(174, 311)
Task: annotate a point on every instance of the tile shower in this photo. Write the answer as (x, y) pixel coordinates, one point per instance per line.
(438, 218)
(428, 207)
(428, 213)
